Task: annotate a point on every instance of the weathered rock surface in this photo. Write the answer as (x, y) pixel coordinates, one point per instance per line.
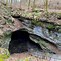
(7, 25)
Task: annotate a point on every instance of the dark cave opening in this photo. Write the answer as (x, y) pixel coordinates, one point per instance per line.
(20, 42)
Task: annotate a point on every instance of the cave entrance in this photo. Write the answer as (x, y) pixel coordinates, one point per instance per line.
(20, 42)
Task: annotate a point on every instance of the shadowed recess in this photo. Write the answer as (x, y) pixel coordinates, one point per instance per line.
(20, 42)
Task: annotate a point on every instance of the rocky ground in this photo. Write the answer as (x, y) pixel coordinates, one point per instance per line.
(28, 57)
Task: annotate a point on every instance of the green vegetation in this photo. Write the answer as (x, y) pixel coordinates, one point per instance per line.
(4, 54)
(1, 59)
(50, 26)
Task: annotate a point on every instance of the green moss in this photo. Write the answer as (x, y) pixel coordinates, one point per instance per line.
(34, 22)
(1, 59)
(50, 26)
(4, 54)
(9, 21)
(36, 10)
(37, 23)
(7, 33)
